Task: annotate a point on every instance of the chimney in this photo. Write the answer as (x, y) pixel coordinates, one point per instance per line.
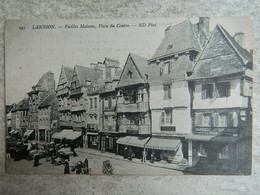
(239, 38)
(203, 28)
(167, 29)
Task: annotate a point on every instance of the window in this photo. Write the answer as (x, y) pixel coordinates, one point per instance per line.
(109, 103)
(91, 103)
(207, 91)
(167, 91)
(165, 68)
(169, 46)
(206, 120)
(223, 89)
(95, 102)
(223, 119)
(166, 116)
(130, 73)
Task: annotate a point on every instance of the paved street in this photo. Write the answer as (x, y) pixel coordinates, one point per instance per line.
(121, 166)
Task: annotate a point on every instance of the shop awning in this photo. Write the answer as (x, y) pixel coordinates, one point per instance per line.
(62, 134)
(137, 142)
(73, 136)
(123, 140)
(163, 144)
(28, 133)
(211, 138)
(132, 141)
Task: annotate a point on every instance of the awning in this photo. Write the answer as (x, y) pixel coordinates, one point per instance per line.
(73, 136)
(123, 140)
(211, 138)
(132, 141)
(28, 133)
(14, 131)
(62, 134)
(163, 144)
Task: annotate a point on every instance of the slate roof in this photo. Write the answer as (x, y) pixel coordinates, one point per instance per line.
(141, 64)
(221, 56)
(85, 74)
(68, 72)
(47, 101)
(181, 37)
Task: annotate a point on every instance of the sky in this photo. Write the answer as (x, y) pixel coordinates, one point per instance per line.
(30, 53)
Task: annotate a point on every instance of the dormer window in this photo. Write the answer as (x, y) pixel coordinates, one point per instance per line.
(169, 47)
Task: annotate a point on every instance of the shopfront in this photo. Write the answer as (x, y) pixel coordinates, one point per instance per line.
(93, 140)
(108, 141)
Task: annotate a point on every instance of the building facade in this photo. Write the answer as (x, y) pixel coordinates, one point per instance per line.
(221, 106)
(62, 93)
(132, 107)
(170, 93)
(45, 86)
(48, 118)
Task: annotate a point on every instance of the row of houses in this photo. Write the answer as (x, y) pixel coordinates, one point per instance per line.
(191, 100)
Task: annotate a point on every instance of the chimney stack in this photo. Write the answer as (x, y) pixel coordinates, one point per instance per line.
(203, 29)
(239, 38)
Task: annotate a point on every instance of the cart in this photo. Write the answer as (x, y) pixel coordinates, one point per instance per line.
(107, 167)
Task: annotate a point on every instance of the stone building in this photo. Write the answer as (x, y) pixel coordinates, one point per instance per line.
(48, 117)
(62, 93)
(170, 94)
(221, 84)
(41, 90)
(132, 107)
(23, 109)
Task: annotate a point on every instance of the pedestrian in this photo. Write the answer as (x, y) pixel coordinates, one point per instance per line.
(144, 155)
(152, 157)
(85, 168)
(36, 146)
(67, 168)
(125, 152)
(79, 168)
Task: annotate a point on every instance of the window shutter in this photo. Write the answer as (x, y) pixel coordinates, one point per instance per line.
(235, 119)
(229, 89)
(198, 119)
(215, 120)
(169, 91)
(170, 66)
(162, 118)
(230, 119)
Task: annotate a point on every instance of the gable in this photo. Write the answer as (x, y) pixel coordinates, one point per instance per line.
(75, 79)
(130, 74)
(62, 80)
(217, 46)
(219, 57)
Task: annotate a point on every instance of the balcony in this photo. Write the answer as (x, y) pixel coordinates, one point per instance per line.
(62, 91)
(76, 91)
(76, 108)
(64, 108)
(109, 128)
(133, 107)
(129, 129)
(216, 131)
(78, 124)
(65, 123)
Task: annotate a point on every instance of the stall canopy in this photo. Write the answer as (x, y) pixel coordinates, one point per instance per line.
(62, 134)
(73, 136)
(28, 133)
(133, 141)
(163, 144)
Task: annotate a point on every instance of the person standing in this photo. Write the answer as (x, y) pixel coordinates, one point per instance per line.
(67, 168)
(144, 155)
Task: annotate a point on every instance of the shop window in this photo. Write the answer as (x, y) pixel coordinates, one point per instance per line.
(223, 89)
(224, 153)
(201, 151)
(167, 91)
(207, 91)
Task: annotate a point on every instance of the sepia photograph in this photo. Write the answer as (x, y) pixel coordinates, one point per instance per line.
(159, 96)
